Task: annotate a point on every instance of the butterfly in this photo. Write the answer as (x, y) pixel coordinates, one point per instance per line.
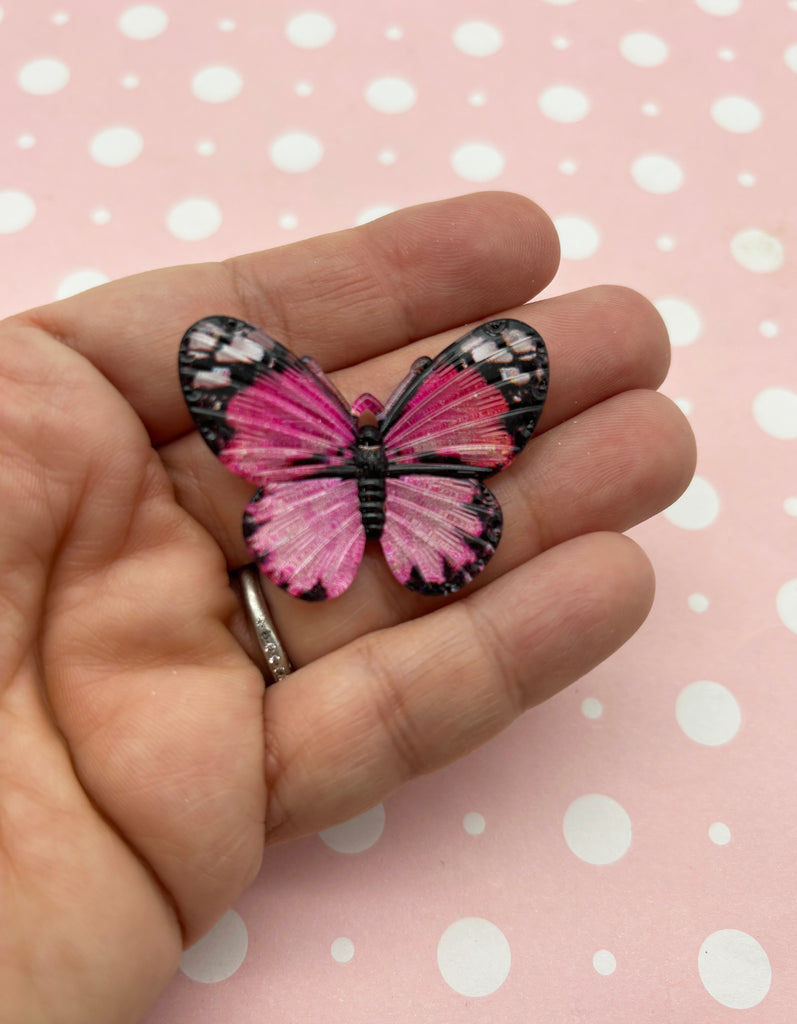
(331, 477)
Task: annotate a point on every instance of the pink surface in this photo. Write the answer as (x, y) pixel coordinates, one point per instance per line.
(629, 850)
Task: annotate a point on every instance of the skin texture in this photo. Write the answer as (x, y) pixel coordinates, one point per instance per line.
(141, 767)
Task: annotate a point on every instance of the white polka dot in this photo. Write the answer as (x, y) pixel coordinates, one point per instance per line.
(60, 18)
(143, 22)
(44, 76)
(373, 213)
(597, 829)
(719, 7)
(26, 141)
(708, 713)
(604, 962)
(790, 505)
(564, 103)
(194, 219)
(644, 49)
(100, 215)
(394, 32)
(473, 823)
(358, 833)
(17, 210)
(757, 250)
(697, 507)
(651, 109)
(478, 38)
(296, 152)
(746, 179)
(79, 281)
(2, 14)
(579, 238)
(790, 56)
(786, 604)
(342, 950)
(736, 114)
(474, 957)
(115, 147)
(656, 173)
(560, 3)
(227, 25)
(386, 157)
(769, 329)
(734, 969)
(665, 243)
(477, 161)
(560, 43)
(220, 953)
(288, 221)
(310, 30)
(390, 95)
(726, 54)
(591, 707)
(477, 99)
(568, 166)
(775, 412)
(682, 320)
(303, 88)
(719, 833)
(130, 81)
(216, 84)
(685, 405)
(205, 147)
(698, 603)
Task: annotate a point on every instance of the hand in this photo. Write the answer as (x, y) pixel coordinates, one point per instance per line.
(141, 769)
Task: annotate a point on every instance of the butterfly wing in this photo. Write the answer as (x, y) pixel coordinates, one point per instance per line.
(276, 420)
(439, 531)
(267, 414)
(476, 404)
(454, 420)
(307, 536)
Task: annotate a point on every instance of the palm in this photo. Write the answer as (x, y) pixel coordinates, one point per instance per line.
(140, 770)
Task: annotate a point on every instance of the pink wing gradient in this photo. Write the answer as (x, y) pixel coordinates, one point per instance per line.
(276, 420)
(452, 421)
(439, 531)
(329, 478)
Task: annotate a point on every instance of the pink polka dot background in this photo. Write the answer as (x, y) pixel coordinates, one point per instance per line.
(629, 850)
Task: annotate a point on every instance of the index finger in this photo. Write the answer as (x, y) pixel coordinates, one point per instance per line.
(341, 298)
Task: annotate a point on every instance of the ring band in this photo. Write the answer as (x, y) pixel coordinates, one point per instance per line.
(254, 602)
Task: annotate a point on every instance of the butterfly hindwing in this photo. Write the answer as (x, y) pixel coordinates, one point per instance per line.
(439, 531)
(267, 414)
(307, 536)
(476, 404)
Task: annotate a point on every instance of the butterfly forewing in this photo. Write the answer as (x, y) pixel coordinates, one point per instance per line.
(267, 414)
(476, 404)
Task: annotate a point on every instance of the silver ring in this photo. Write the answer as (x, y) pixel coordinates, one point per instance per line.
(277, 660)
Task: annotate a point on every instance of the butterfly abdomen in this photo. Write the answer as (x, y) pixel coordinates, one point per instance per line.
(371, 463)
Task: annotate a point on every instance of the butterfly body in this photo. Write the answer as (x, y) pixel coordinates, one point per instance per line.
(330, 477)
(370, 464)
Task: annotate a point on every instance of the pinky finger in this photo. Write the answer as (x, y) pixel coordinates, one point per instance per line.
(346, 730)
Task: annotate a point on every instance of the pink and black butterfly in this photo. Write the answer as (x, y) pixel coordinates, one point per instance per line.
(330, 477)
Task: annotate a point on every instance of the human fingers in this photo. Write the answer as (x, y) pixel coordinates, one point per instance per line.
(345, 731)
(342, 297)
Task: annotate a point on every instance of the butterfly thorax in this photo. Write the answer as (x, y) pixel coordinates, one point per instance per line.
(370, 462)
